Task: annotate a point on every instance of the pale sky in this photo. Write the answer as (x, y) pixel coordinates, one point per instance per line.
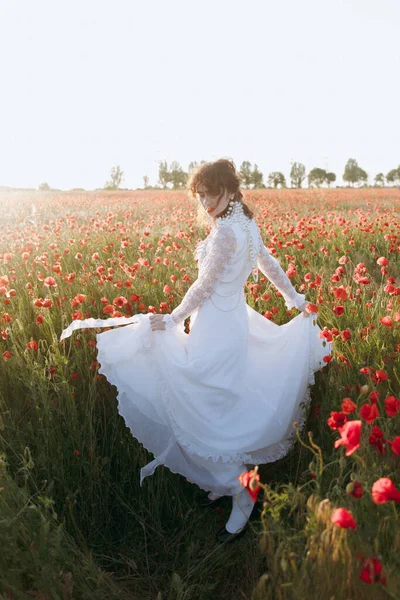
(89, 84)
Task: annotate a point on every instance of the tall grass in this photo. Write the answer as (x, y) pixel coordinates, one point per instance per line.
(74, 521)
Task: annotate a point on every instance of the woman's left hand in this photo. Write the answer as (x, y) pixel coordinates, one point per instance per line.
(156, 322)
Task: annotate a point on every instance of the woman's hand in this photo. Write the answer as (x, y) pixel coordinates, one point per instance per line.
(156, 322)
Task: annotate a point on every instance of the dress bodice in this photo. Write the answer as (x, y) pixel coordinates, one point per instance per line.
(232, 250)
(228, 290)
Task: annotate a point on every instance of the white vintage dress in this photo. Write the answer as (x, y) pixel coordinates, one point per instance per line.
(224, 396)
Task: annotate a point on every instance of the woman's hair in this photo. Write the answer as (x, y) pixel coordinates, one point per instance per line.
(216, 177)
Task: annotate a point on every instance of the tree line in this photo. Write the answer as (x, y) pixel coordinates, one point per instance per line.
(175, 178)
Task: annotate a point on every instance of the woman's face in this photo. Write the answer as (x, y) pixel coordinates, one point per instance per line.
(210, 203)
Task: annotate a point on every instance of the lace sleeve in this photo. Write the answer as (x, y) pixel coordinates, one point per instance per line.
(220, 249)
(270, 266)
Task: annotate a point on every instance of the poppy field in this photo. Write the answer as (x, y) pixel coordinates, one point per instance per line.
(74, 522)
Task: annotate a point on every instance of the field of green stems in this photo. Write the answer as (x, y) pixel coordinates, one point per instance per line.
(74, 522)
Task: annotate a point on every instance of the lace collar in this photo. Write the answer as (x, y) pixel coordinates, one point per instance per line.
(235, 214)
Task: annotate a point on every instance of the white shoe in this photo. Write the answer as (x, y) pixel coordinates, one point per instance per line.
(242, 507)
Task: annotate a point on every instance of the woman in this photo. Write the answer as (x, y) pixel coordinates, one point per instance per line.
(224, 397)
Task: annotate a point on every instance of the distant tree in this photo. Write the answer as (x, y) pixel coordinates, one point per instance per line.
(163, 174)
(116, 175)
(44, 186)
(330, 178)
(257, 178)
(317, 177)
(353, 173)
(245, 174)
(276, 178)
(380, 179)
(394, 176)
(177, 176)
(194, 165)
(145, 181)
(297, 174)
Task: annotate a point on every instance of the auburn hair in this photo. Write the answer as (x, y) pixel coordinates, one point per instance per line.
(216, 177)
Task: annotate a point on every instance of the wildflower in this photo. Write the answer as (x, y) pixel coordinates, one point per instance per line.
(340, 292)
(369, 412)
(249, 480)
(343, 518)
(392, 406)
(348, 406)
(395, 444)
(386, 321)
(382, 261)
(312, 308)
(336, 420)
(375, 396)
(120, 301)
(384, 490)
(380, 376)
(371, 571)
(355, 489)
(377, 439)
(50, 282)
(350, 436)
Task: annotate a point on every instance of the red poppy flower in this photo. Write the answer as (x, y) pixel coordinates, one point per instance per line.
(392, 406)
(386, 321)
(355, 489)
(346, 335)
(339, 310)
(350, 436)
(384, 490)
(377, 439)
(375, 396)
(325, 333)
(371, 571)
(249, 480)
(343, 518)
(380, 376)
(369, 412)
(336, 420)
(120, 301)
(348, 406)
(312, 308)
(50, 282)
(340, 292)
(382, 261)
(395, 444)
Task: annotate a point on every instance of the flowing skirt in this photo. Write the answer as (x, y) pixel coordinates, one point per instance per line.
(208, 403)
